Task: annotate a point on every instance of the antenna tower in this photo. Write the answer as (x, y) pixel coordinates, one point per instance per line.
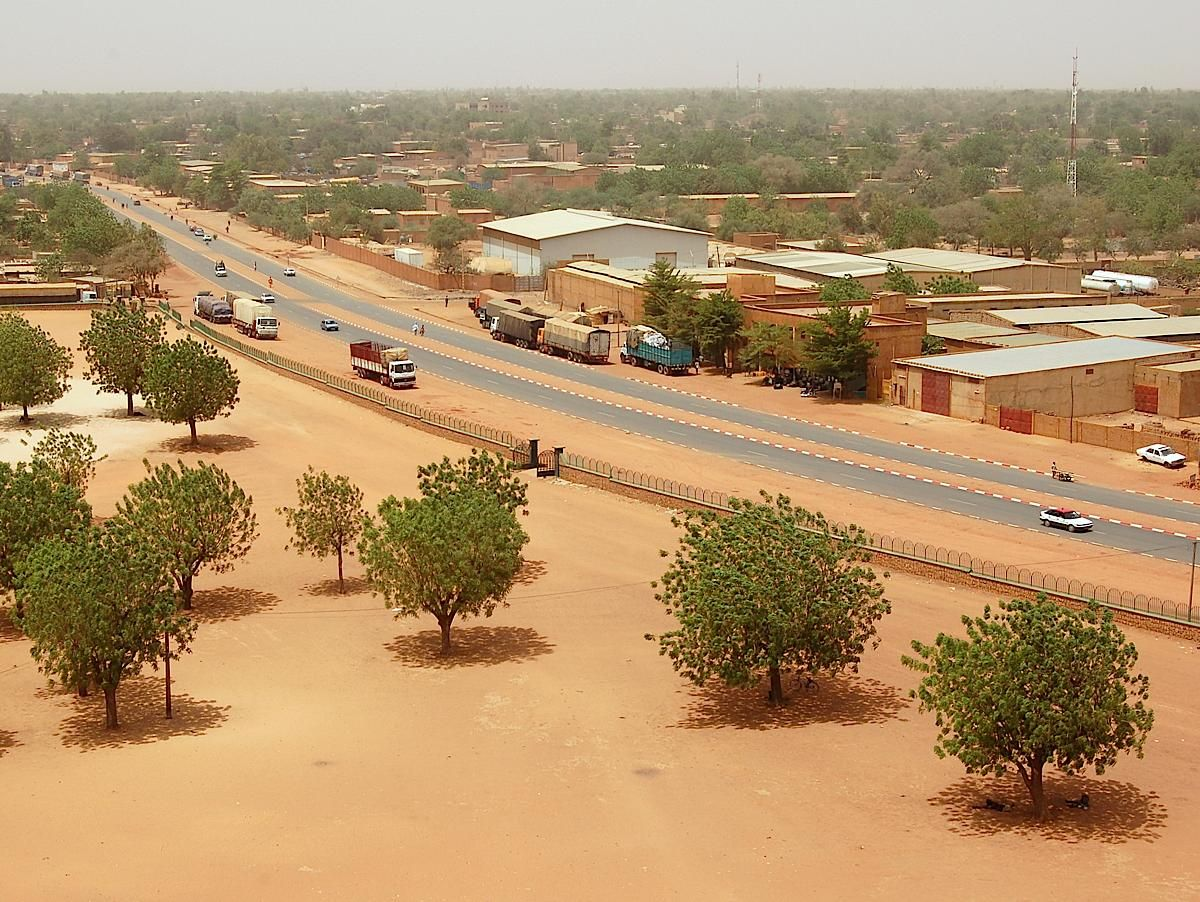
(1072, 163)
(738, 83)
(758, 95)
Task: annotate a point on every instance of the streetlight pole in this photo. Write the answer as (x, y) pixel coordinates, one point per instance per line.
(1192, 583)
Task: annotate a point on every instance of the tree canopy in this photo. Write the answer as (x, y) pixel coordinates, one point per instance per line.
(118, 346)
(670, 300)
(188, 382)
(837, 343)
(846, 288)
(35, 505)
(1034, 684)
(328, 517)
(770, 587)
(69, 457)
(719, 320)
(34, 368)
(769, 347)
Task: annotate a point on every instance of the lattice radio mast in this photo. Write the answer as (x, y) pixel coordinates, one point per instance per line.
(1072, 163)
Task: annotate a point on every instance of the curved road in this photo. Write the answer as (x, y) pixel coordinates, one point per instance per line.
(184, 248)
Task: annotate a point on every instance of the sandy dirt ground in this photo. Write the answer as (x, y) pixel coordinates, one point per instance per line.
(321, 749)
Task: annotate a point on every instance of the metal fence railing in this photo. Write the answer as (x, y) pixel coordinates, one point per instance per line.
(1069, 588)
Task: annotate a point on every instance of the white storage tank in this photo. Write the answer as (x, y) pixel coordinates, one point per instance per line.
(409, 255)
(1106, 285)
(1144, 284)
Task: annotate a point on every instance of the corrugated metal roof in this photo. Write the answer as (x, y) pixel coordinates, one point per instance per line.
(953, 261)
(964, 330)
(1188, 366)
(827, 263)
(1059, 355)
(557, 223)
(1019, 339)
(1147, 328)
(1082, 313)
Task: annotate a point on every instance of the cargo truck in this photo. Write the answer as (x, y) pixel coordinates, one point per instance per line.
(649, 348)
(390, 366)
(490, 308)
(254, 319)
(518, 328)
(211, 308)
(575, 341)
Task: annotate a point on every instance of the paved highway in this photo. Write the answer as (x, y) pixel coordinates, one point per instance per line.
(188, 251)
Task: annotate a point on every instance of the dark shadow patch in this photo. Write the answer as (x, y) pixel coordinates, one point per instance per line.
(230, 603)
(471, 645)
(8, 740)
(39, 422)
(122, 413)
(8, 629)
(328, 588)
(843, 699)
(140, 707)
(207, 444)
(1117, 812)
(531, 572)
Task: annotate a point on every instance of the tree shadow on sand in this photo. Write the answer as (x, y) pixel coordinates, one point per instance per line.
(208, 444)
(230, 603)
(328, 588)
(8, 740)
(8, 630)
(531, 572)
(1117, 813)
(842, 699)
(471, 645)
(140, 712)
(39, 422)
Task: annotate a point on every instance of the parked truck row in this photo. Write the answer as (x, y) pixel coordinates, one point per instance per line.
(510, 321)
(247, 314)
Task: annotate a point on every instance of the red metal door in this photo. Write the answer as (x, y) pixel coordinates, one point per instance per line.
(1145, 398)
(935, 392)
(1016, 420)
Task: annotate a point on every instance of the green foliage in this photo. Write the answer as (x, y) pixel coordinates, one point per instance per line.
(118, 346)
(913, 227)
(1033, 684)
(195, 517)
(140, 259)
(34, 368)
(670, 301)
(844, 289)
(951, 284)
(768, 588)
(838, 345)
(34, 505)
(898, 280)
(188, 382)
(98, 606)
(933, 344)
(769, 347)
(327, 519)
(446, 233)
(456, 551)
(69, 457)
(719, 321)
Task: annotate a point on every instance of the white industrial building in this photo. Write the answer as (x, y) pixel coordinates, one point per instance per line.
(539, 241)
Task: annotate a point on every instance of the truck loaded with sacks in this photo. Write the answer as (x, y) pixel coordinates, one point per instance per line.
(254, 318)
(387, 365)
(207, 306)
(581, 342)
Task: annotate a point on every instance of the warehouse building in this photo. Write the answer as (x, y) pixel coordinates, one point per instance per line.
(1055, 320)
(822, 266)
(1063, 379)
(539, 241)
(1168, 328)
(968, 336)
(1168, 390)
(1012, 273)
(945, 306)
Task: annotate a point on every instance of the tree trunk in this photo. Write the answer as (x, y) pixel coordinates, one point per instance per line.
(1037, 792)
(167, 661)
(110, 708)
(128, 403)
(341, 577)
(24, 413)
(82, 689)
(775, 696)
(192, 426)
(185, 592)
(444, 623)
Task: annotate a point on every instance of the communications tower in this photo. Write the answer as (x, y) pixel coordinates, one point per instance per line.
(1072, 163)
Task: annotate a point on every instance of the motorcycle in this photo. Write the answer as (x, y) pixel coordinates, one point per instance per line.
(1062, 475)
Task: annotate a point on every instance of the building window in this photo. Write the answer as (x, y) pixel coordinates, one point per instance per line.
(668, 256)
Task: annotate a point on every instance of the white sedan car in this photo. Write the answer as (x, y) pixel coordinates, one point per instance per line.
(1065, 518)
(267, 298)
(289, 271)
(1163, 455)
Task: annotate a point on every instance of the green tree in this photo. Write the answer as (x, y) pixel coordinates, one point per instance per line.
(196, 517)
(846, 288)
(490, 473)
(98, 606)
(327, 519)
(34, 505)
(951, 284)
(446, 235)
(769, 588)
(453, 553)
(837, 343)
(118, 346)
(69, 457)
(50, 268)
(719, 320)
(1034, 684)
(898, 280)
(1137, 245)
(913, 227)
(769, 347)
(140, 260)
(188, 382)
(34, 368)
(667, 289)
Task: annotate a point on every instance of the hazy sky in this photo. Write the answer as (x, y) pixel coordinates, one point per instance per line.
(139, 45)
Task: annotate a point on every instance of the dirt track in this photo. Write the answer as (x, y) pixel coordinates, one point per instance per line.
(321, 750)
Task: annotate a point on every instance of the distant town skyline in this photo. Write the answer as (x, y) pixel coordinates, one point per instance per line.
(269, 45)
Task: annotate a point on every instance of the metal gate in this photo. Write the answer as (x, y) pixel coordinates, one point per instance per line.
(935, 392)
(1014, 419)
(547, 462)
(1145, 398)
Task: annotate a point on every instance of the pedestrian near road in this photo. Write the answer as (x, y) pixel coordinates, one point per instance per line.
(447, 305)
(256, 266)
(416, 329)
(422, 330)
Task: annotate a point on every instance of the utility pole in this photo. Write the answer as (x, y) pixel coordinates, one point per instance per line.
(1192, 584)
(1072, 163)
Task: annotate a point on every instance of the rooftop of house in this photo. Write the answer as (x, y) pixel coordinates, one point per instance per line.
(1059, 355)
(1079, 313)
(558, 223)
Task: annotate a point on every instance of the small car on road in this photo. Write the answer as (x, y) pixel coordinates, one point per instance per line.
(1065, 518)
(329, 325)
(136, 202)
(289, 271)
(267, 298)
(1162, 455)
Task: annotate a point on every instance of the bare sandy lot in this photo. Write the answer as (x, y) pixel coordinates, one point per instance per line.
(321, 750)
